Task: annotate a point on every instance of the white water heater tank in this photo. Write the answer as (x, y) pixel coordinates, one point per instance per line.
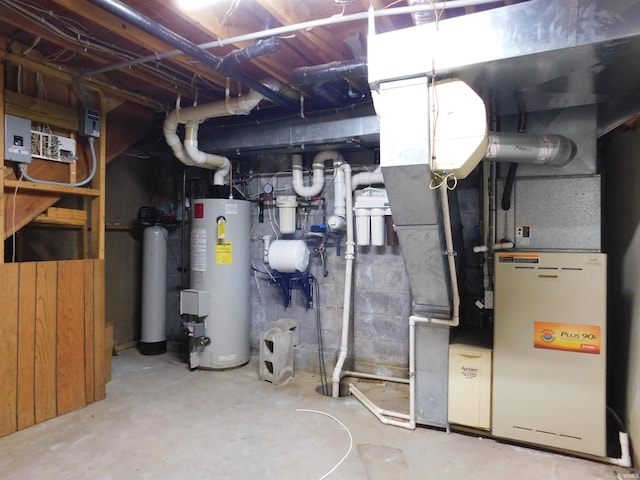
(220, 265)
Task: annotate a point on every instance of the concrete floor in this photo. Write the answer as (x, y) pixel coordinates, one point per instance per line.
(161, 421)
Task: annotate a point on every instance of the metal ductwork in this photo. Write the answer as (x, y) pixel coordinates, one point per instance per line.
(159, 31)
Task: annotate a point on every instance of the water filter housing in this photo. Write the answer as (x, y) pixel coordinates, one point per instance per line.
(220, 266)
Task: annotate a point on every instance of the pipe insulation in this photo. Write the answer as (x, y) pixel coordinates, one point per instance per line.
(329, 72)
(161, 32)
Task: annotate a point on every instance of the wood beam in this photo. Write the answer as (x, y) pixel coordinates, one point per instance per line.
(18, 21)
(129, 32)
(319, 41)
(278, 65)
(41, 111)
(64, 76)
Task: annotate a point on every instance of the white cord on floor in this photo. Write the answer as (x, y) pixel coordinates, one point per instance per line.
(343, 426)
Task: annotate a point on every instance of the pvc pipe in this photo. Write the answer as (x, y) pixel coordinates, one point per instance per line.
(413, 320)
(496, 246)
(340, 193)
(454, 321)
(192, 116)
(367, 178)
(373, 376)
(380, 413)
(265, 254)
(296, 176)
(625, 457)
(207, 160)
(349, 256)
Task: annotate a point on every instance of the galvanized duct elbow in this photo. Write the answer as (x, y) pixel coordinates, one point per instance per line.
(553, 150)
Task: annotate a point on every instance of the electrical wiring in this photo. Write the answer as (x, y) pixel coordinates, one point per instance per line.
(438, 181)
(77, 34)
(13, 219)
(321, 362)
(345, 429)
(230, 11)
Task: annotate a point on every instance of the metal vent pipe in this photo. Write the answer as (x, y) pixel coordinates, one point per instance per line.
(552, 150)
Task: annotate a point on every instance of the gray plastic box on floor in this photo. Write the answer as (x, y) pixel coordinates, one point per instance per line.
(276, 355)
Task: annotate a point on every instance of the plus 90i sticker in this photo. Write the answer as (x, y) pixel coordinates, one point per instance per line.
(567, 337)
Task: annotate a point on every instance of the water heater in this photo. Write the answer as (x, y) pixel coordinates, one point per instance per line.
(220, 270)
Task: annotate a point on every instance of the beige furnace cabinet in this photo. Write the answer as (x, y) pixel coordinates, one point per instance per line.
(549, 357)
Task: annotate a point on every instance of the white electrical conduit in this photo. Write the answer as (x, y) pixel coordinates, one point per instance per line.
(192, 116)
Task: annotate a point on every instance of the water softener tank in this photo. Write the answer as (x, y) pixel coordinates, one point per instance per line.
(153, 336)
(220, 265)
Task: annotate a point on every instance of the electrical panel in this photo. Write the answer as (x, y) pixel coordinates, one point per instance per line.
(89, 122)
(17, 138)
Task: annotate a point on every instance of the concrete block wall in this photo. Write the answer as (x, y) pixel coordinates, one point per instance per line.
(381, 300)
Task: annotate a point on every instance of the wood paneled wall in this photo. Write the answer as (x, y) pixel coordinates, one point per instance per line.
(51, 340)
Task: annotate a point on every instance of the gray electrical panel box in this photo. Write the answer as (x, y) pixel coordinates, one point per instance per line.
(89, 122)
(17, 139)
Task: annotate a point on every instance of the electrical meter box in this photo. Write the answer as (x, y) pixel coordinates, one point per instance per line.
(470, 385)
(17, 138)
(89, 122)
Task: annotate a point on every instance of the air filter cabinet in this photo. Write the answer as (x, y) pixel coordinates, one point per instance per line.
(549, 363)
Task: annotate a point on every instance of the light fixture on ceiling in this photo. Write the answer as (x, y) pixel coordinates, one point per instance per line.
(342, 3)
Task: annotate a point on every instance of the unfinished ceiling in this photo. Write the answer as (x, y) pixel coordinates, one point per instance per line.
(94, 40)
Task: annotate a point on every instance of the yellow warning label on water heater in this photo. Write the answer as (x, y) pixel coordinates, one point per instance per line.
(566, 336)
(224, 253)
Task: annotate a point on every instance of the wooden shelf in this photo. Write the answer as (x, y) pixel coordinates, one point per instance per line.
(45, 188)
